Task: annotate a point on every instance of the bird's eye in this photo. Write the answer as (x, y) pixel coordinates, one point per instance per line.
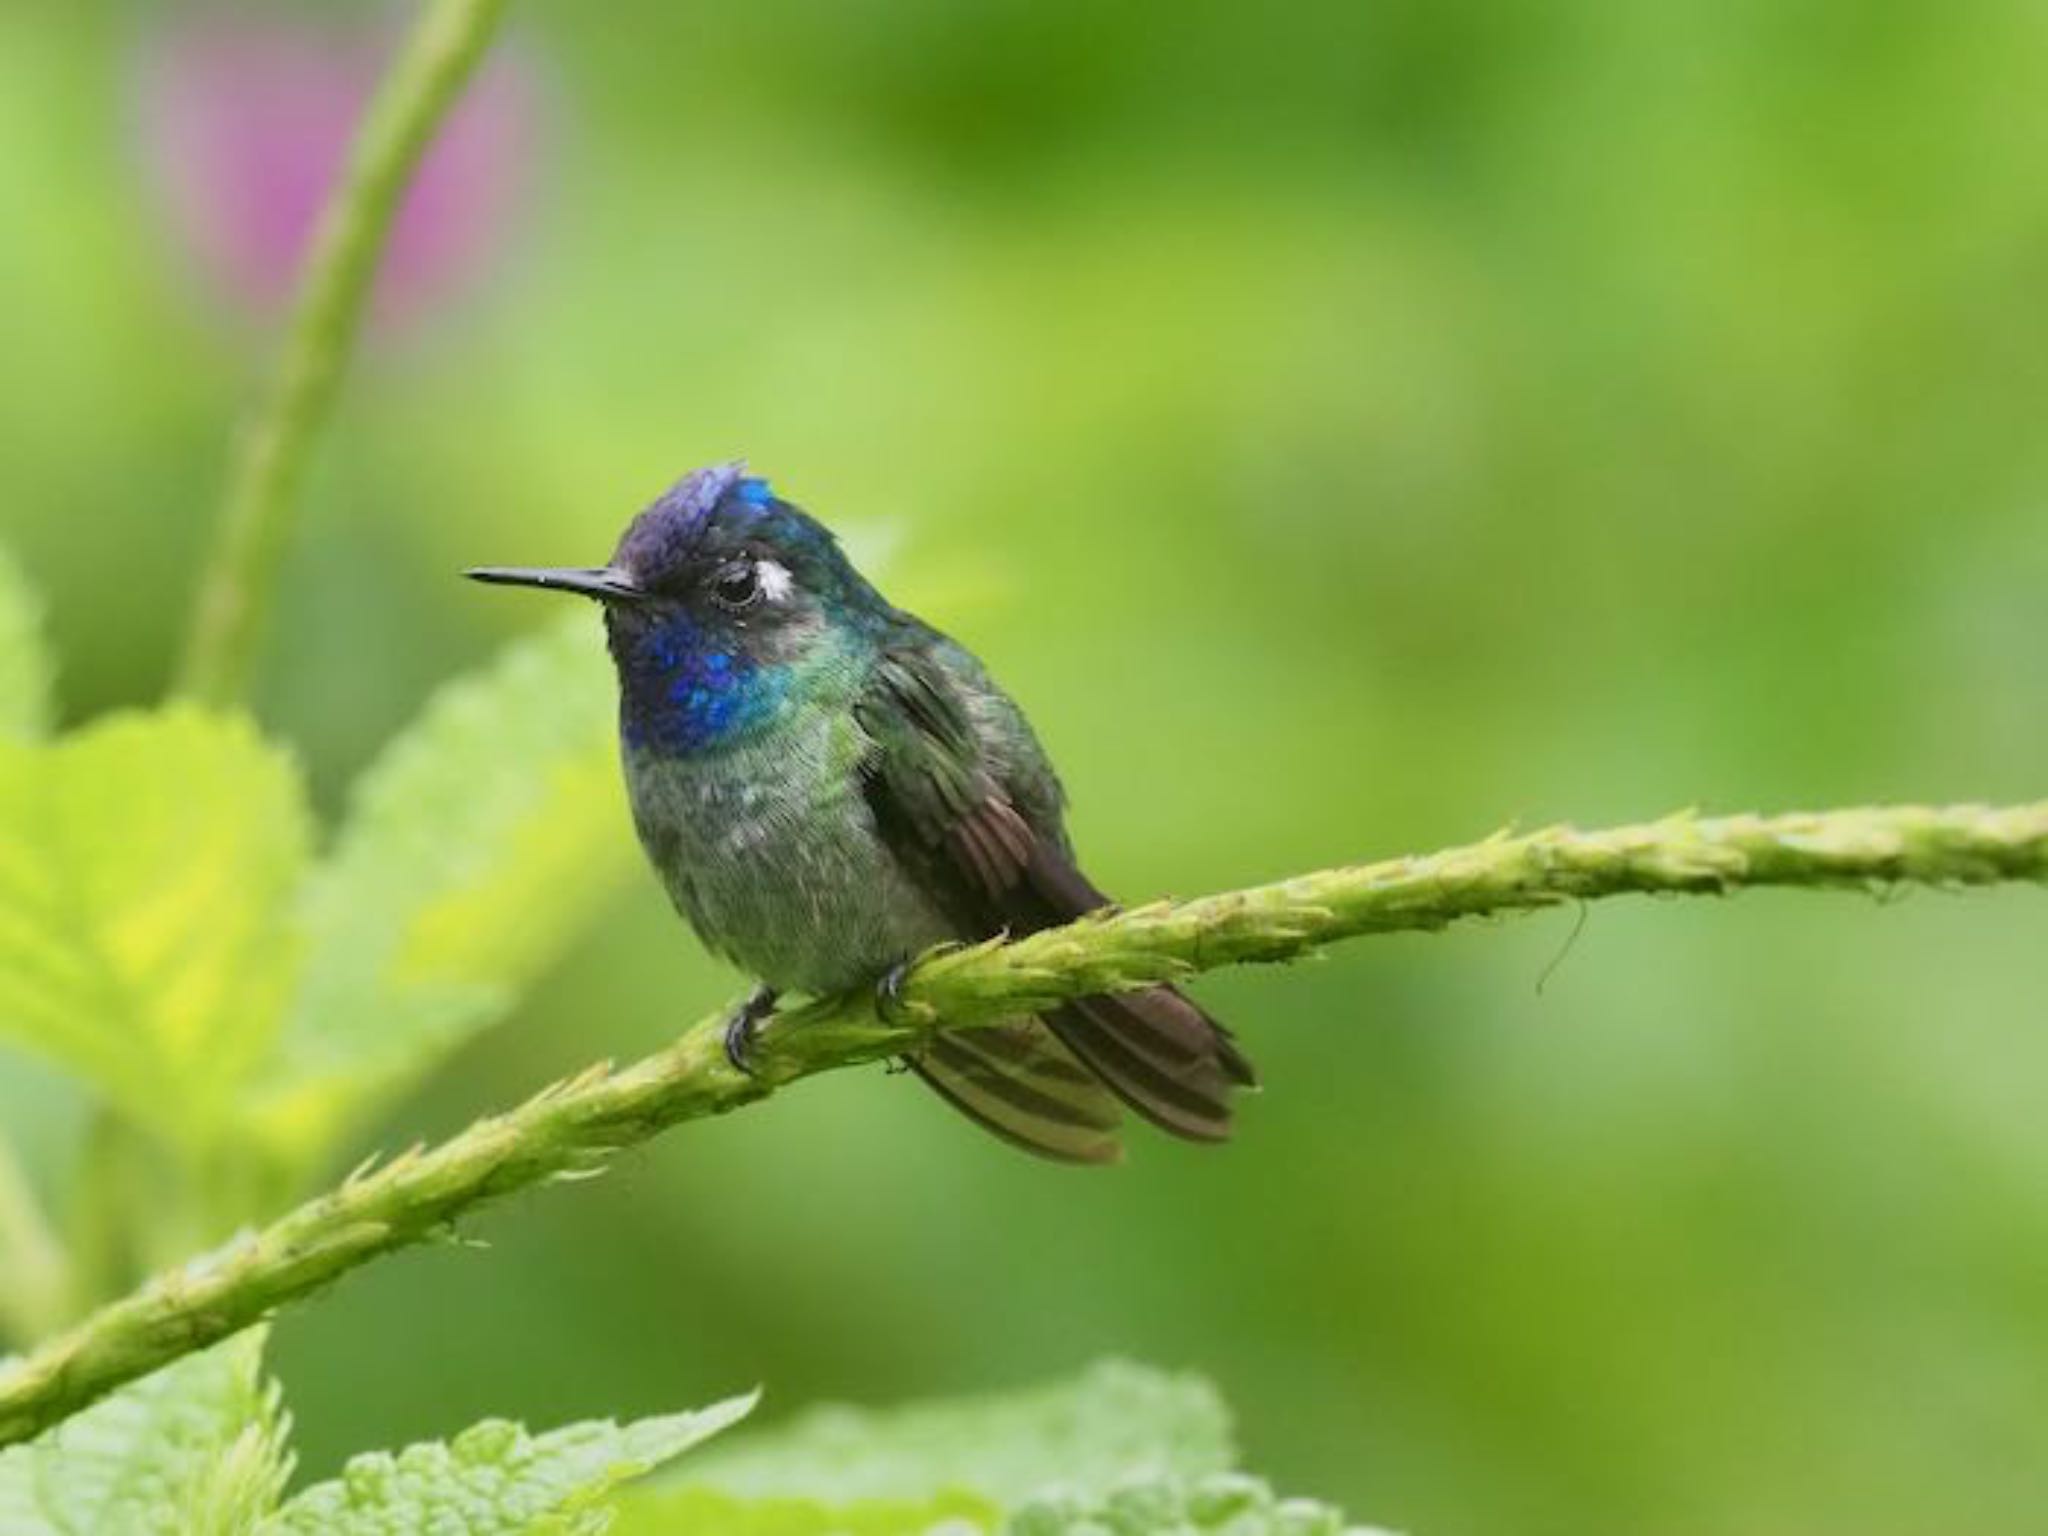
(737, 584)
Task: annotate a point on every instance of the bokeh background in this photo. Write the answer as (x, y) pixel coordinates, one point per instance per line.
(1350, 426)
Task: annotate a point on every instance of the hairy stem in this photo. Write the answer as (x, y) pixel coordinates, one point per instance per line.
(571, 1129)
(272, 449)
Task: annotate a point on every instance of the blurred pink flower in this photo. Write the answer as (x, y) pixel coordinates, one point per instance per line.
(246, 117)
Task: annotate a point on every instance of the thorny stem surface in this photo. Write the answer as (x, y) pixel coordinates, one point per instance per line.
(572, 1129)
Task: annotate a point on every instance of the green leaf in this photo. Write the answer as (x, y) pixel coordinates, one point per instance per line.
(195, 1450)
(1115, 1422)
(708, 1512)
(1225, 1503)
(1122, 1451)
(145, 868)
(496, 1479)
(24, 660)
(478, 846)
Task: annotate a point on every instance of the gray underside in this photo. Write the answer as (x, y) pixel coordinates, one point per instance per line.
(769, 849)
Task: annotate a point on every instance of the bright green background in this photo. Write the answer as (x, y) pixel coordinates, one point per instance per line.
(1349, 427)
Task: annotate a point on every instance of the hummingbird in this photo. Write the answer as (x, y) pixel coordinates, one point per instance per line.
(827, 786)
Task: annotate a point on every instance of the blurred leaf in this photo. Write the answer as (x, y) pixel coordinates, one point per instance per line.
(708, 1512)
(145, 865)
(1117, 1421)
(195, 1450)
(481, 842)
(1223, 1502)
(496, 1478)
(1123, 1451)
(24, 661)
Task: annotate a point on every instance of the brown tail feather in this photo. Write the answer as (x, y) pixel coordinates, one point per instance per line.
(1017, 1082)
(1161, 1055)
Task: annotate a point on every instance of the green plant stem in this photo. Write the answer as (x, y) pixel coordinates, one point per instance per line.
(271, 452)
(572, 1128)
(35, 1276)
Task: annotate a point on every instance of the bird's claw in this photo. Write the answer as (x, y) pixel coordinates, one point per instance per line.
(889, 994)
(889, 1008)
(739, 1029)
(739, 1042)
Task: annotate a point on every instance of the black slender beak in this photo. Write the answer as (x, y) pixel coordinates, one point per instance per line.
(606, 583)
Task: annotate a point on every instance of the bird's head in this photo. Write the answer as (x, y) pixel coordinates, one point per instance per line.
(718, 593)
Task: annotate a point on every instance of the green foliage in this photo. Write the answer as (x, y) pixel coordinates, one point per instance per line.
(167, 938)
(195, 1450)
(693, 1511)
(146, 866)
(1115, 1422)
(495, 1479)
(1220, 1504)
(199, 1449)
(24, 662)
(477, 846)
(1122, 1450)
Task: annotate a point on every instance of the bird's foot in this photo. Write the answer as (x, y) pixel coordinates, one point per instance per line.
(739, 1029)
(889, 1008)
(889, 993)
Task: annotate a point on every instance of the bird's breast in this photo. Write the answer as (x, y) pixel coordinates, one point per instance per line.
(769, 849)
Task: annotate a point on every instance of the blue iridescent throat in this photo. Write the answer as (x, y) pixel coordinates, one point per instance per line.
(679, 698)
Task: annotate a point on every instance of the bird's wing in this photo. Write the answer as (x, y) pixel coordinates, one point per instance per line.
(940, 803)
(942, 798)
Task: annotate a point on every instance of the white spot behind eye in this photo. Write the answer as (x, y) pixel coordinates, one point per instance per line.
(776, 582)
